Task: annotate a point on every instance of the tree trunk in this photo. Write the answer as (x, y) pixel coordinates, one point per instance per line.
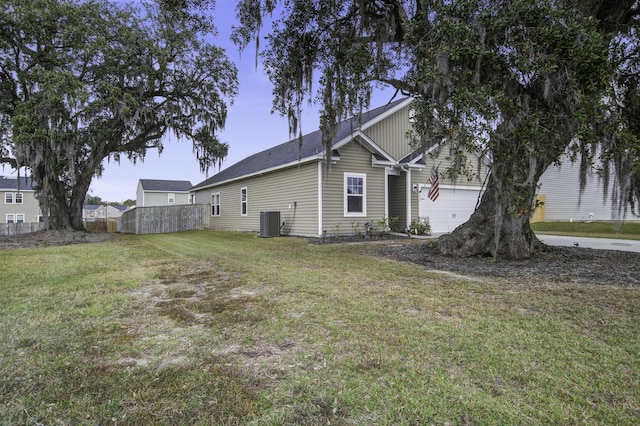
(494, 229)
(76, 203)
(62, 206)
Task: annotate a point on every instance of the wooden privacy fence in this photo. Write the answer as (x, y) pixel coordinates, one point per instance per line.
(102, 225)
(164, 219)
(20, 228)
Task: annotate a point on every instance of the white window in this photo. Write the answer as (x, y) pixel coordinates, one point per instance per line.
(18, 198)
(11, 218)
(355, 194)
(172, 198)
(215, 204)
(8, 198)
(243, 201)
(20, 218)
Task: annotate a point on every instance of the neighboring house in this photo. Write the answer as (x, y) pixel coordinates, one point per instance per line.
(18, 203)
(92, 212)
(564, 201)
(373, 174)
(156, 192)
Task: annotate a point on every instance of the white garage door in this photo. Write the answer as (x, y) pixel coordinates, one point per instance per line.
(453, 207)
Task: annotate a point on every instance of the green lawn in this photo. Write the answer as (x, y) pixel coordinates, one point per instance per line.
(629, 230)
(218, 328)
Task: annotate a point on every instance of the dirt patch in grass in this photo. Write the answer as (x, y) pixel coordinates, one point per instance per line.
(559, 264)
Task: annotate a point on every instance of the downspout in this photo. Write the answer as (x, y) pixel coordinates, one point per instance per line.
(408, 196)
(320, 198)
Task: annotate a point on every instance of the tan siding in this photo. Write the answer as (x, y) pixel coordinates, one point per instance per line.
(275, 191)
(443, 162)
(391, 134)
(354, 159)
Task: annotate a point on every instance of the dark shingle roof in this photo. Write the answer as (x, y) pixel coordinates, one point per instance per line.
(165, 185)
(26, 184)
(291, 151)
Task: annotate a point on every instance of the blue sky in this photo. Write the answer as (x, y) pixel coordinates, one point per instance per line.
(250, 126)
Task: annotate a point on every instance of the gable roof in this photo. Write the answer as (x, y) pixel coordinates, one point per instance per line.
(165, 185)
(294, 151)
(26, 183)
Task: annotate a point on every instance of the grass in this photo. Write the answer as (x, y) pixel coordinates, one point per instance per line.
(628, 230)
(217, 328)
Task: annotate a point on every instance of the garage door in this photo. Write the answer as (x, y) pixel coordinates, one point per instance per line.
(453, 207)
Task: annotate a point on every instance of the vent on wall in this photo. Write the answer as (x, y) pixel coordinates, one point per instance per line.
(269, 224)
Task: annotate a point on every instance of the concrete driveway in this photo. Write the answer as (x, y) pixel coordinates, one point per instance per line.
(594, 243)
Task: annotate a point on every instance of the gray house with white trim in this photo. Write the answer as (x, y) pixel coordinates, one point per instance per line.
(158, 192)
(18, 203)
(373, 173)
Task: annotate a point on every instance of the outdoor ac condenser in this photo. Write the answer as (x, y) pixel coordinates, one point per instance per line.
(269, 224)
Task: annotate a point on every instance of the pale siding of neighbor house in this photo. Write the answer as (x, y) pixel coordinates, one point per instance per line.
(139, 195)
(353, 159)
(562, 199)
(29, 207)
(162, 198)
(275, 191)
(91, 213)
(392, 133)
(153, 192)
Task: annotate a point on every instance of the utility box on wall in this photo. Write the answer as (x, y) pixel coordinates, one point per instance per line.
(269, 224)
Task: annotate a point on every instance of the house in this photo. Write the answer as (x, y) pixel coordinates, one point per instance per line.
(93, 212)
(564, 201)
(18, 203)
(157, 192)
(372, 174)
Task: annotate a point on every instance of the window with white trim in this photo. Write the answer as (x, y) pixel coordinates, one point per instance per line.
(171, 198)
(215, 204)
(243, 202)
(18, 198)
(11, 218)
(355, 194)
(8, 198)
(19, 217)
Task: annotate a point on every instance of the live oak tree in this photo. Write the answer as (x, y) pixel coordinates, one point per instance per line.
(84, 82)
(522, 81)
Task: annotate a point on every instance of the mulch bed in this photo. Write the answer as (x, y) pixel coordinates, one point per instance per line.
(561, 264)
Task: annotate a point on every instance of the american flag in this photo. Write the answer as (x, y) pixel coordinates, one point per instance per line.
(434, 191)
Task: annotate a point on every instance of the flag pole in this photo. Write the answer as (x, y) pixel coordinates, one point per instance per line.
(425, 184)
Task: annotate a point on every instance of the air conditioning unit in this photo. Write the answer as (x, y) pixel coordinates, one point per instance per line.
(269, 224)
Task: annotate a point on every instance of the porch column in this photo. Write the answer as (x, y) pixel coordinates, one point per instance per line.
(386, 192)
